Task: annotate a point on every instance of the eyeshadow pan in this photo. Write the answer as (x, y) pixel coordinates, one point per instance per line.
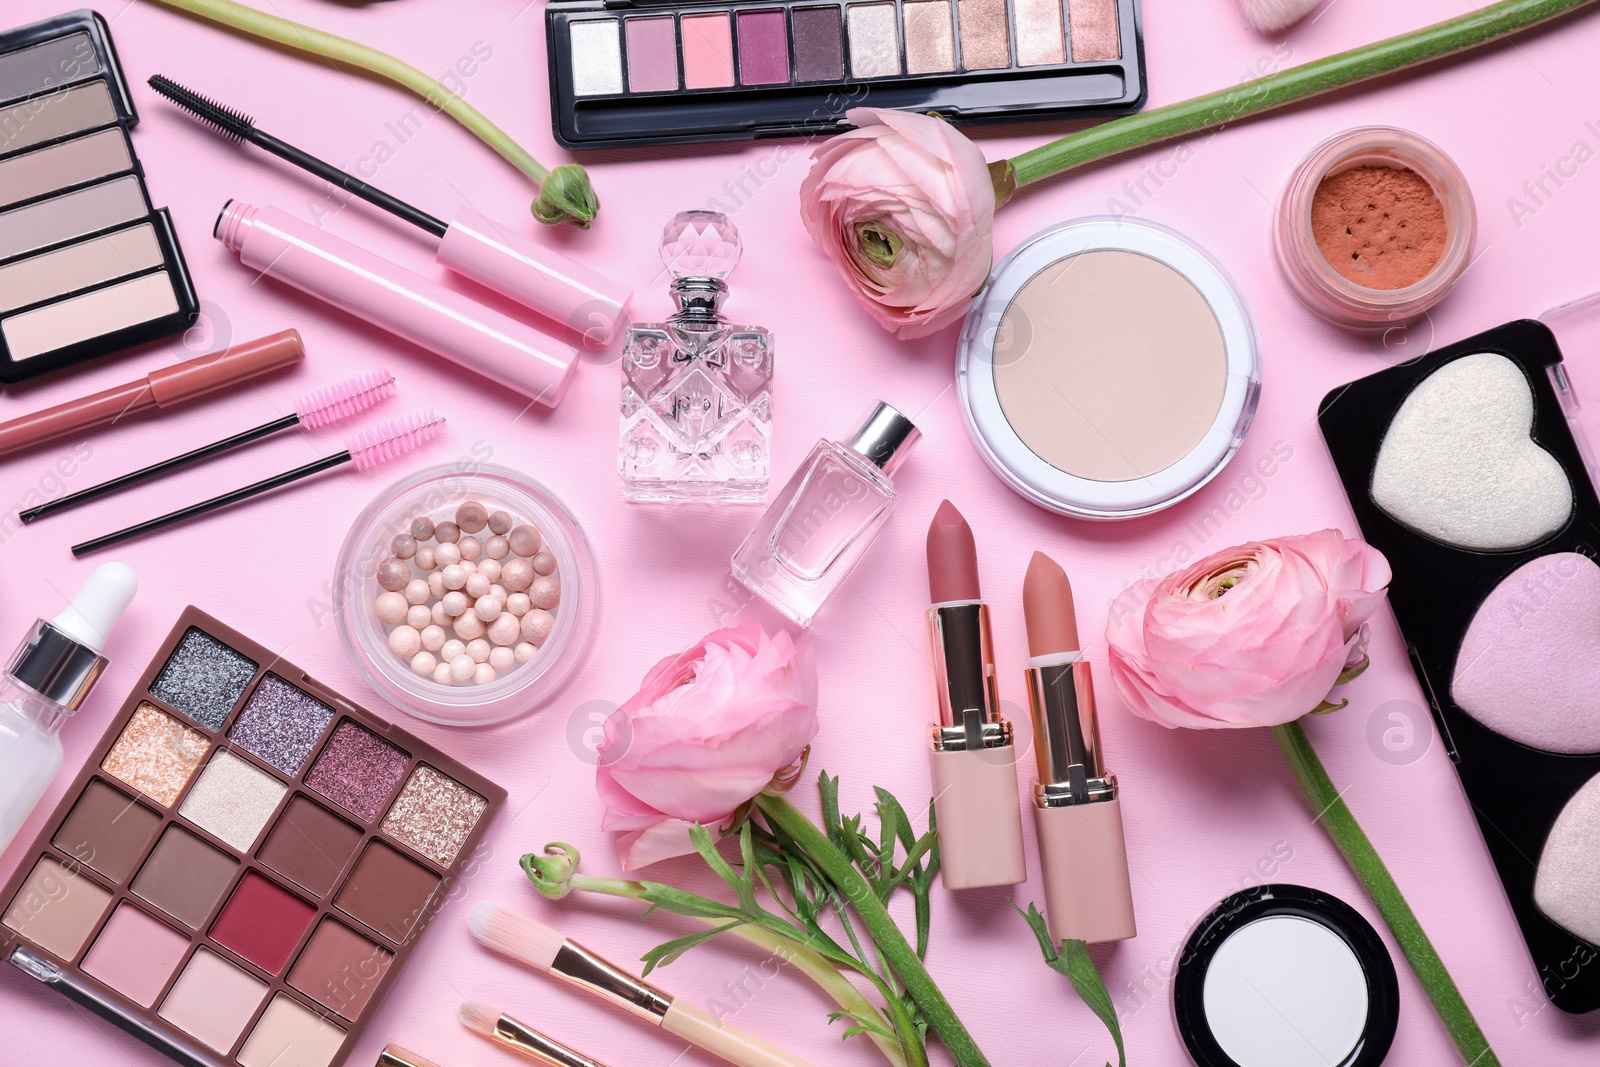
(233, 800)
(79, 266)
(1040, 38)
(985, 35)
(874, 41)
(310, 846)
(156, 754)
(291, 1035)
(340, 969)
(435, 815)
(135, 955)
(652, 55)
(91, 315)
(185, 877)
(1569, 865)
(64, 218)
(280, 724)
(930, 43)
(387, 892)
(1094, 30)
(49, 63)
(596, 57)
(358, 770)
(204, 679)
(44, 170)
(106, 831)
(212, 1000)
(818, 44)
(57, 908)
(57, 115)
(763, 47)
(262, 922)
(707, 51)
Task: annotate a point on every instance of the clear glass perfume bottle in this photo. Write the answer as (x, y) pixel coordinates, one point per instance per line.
(826, 518)
(696, 389)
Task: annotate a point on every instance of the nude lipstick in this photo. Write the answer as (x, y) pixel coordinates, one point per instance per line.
(1075, 806)
(973, 758)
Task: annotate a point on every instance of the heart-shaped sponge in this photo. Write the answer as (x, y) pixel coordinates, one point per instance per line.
(1569, 866)
(1529, 667)
(1458, 463)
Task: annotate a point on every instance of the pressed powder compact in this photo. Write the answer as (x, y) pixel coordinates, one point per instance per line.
(1109, 368)
(1463, 469)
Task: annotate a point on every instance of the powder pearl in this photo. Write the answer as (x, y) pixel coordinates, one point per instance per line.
(518, 604)
(497, 548)
(461, 668)
(405, 642)
(468, 567)
(477, 585)
(516, 575)
(436, 585)
(488, 607)
(454, 576)
(525, 652)
(471, 548)
(451, 649)
(490, 569)
(417, 591)
(437, 613)
(455, 603)
(404, 546)
(499, 592)
(418, 616)
(394, 573)
(502, 659)
(544, 563)
(447, 532)
(425, 558)
(536, 626)
(433, 638)
(423, 663)
(472, 516)
(422, 528)
(525, 540)
(505, 629)
(478, 650)
(447, 555)
(468, 626)
(442, 675)
(390, 607)
(500, 522)
(483, 674)
(545, 593)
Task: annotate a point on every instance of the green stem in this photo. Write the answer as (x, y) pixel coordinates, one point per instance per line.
(1380, 885)
(1287, 86)
(892, 944)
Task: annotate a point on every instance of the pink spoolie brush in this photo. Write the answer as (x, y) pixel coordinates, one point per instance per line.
(316, 409)
(366, 450)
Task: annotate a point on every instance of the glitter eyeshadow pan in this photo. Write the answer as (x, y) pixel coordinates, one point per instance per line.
(246, 861)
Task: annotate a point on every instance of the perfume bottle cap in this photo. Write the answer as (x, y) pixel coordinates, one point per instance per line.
(61, 660)
(701, 244)
(885, 436)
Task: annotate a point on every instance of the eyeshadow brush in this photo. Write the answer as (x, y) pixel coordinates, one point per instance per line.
(519, 1037)
(366, 450)
(538, 947)
(470, 244)
(314, 410)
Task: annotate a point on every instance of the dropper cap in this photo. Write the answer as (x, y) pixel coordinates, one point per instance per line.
(61, 659)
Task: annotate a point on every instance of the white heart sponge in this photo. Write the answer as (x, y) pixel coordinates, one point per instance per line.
(1458, 463)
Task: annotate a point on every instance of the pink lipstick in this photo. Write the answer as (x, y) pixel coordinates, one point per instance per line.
(973, 758)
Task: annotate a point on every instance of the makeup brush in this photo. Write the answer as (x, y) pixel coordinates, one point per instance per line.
(470, 244)
(314, 410)
(1270, 16)
(537, 946)
(367, 449)
(504, 1030)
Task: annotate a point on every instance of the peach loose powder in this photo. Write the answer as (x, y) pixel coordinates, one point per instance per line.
(1380, 227)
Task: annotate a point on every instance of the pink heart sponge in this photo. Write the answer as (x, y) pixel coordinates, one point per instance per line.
(1529, 667)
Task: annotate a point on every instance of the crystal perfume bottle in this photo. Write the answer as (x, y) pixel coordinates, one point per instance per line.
(696, 389)
(826, 518)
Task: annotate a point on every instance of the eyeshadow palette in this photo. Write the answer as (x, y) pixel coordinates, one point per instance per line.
(645, 72)
(245, 861)
(1464, 471)
(87, 266)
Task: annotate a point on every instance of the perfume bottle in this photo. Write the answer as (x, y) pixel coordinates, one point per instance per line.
(825, 519)
(696, 389)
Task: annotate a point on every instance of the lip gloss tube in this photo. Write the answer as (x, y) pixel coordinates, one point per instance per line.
(1075, 807)
(424, 312)
(973, 758)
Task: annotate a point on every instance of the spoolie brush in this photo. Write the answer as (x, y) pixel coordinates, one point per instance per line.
(367, 449)
(505, 1031)
(316, 409)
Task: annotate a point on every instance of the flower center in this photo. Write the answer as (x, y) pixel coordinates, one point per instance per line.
(878, 245)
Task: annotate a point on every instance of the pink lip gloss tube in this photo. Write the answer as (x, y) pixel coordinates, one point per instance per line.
(424, 312)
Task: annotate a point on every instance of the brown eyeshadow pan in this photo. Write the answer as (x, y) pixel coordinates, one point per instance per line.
(107, 831)
(185, 877)
(387, 892)
(340, 969)
(310, 846)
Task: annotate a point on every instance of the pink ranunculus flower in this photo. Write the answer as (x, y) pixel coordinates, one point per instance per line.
(904, 206)
(709, 729)
(1257, 635)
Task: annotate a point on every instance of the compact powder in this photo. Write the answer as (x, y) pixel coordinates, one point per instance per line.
(1381, 227)
(1110, 365)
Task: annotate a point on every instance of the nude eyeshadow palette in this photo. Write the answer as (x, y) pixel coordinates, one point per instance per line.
(641, 72)
(245, 862)
(87, 266)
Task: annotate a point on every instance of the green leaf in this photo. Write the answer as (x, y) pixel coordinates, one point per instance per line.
(1072, 959)
(663, 954)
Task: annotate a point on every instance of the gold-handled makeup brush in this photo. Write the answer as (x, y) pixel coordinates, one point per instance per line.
(535, 945)
(519, 1037)
(1270, 16)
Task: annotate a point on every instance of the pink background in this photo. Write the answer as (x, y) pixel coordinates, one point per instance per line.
(1206, 814)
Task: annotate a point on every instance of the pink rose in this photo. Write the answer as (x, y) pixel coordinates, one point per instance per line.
(904, 206)
(709, 729)
(1258, 635)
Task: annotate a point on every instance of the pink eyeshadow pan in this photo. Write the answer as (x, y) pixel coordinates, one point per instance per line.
(1094, 31)
(652, 55)
(763, 47)
(707, 51)
(135, 955)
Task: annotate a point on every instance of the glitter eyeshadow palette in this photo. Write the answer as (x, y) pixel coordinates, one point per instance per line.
(245, 862)
(640, 72)
(87, 266)
(1464, 471)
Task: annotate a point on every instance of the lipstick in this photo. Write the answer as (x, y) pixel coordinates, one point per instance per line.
(1075, 806)
(973, 758)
